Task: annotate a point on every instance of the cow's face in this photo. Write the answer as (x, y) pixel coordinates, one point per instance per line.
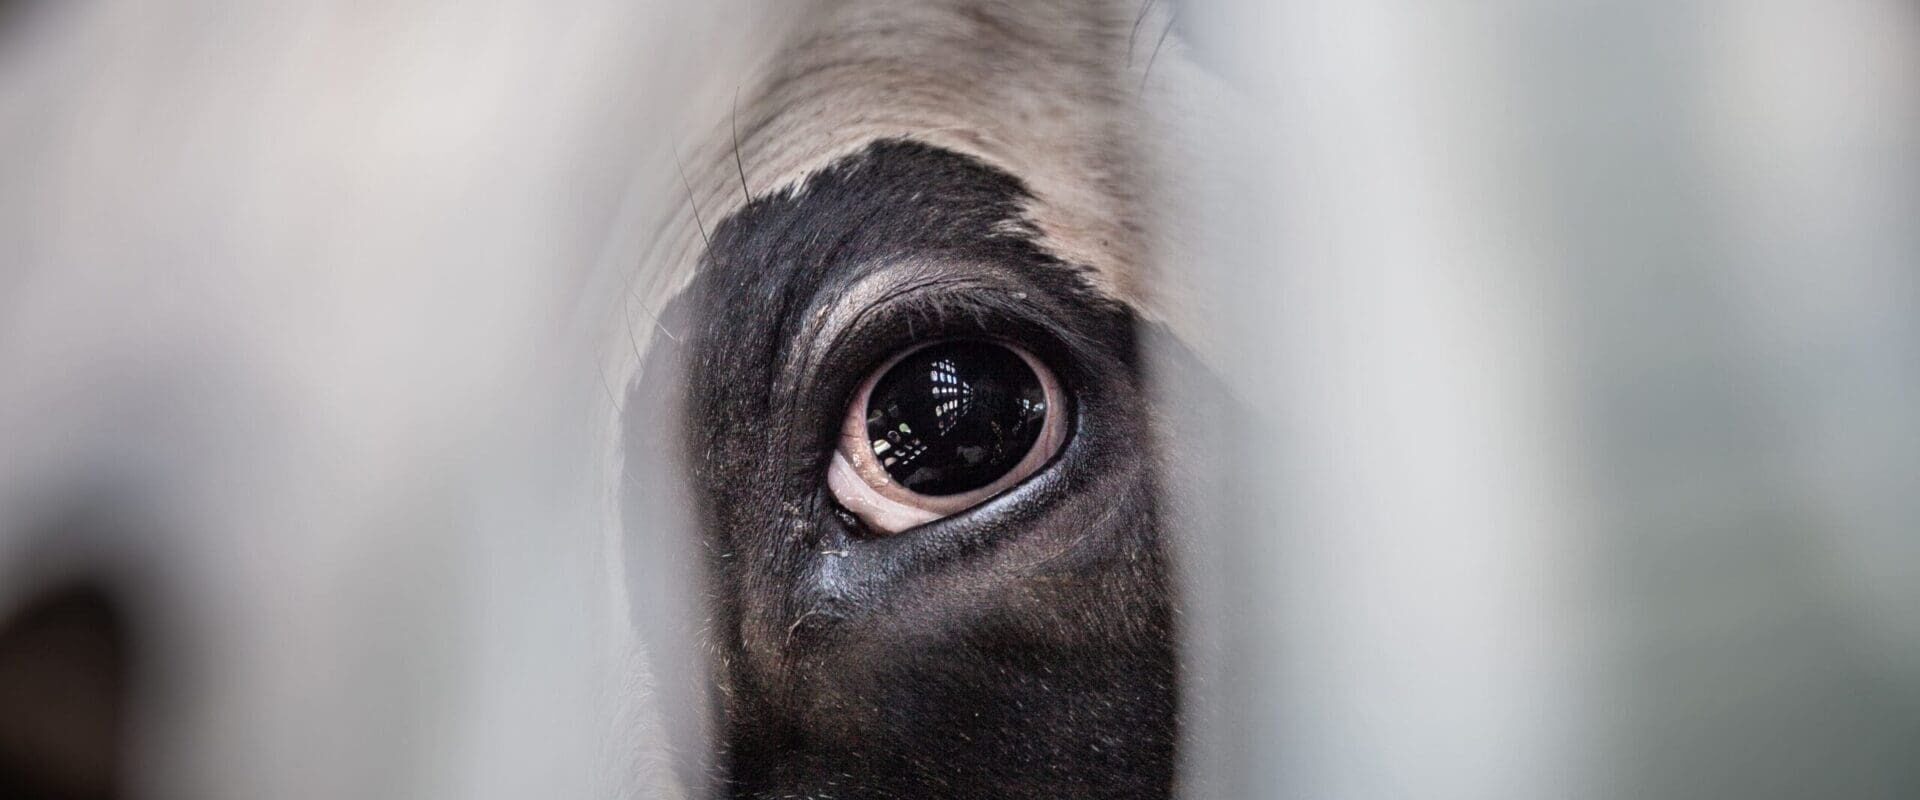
(911, 414)
(986, 612)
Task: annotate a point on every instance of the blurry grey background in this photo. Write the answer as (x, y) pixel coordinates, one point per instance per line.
(1579, 345)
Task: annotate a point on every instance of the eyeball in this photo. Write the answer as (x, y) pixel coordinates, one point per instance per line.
(940, 428)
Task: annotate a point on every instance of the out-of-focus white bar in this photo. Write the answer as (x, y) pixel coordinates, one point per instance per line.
(1577, 343)
(302, 305)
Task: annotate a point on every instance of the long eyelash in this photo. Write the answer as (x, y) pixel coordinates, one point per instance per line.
(939, 301)
(998, 303)
(608, 385)
(1148, 72)
(737, 162)
(1132, 34)
(860, 319)
(693, 204)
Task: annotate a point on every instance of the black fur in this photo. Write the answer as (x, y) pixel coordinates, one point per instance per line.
(1023, 648)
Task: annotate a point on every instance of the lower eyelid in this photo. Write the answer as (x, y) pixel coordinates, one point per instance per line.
(876, 510)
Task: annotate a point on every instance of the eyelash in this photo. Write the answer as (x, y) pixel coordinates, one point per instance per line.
(926, 314)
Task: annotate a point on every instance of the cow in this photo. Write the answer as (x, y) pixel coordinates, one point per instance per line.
(901, 368)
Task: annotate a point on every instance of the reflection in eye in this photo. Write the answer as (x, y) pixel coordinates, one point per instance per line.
(941, 428)
(955, 417)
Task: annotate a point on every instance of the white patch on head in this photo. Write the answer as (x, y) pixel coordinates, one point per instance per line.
(1048, 92)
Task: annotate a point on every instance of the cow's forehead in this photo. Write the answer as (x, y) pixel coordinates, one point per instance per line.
(1049, 93)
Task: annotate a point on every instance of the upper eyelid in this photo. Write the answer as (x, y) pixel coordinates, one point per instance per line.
(888, 290)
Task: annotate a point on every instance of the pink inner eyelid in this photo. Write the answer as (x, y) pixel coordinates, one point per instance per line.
(861, 485)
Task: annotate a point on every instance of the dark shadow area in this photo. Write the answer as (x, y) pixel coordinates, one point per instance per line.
(65, 664)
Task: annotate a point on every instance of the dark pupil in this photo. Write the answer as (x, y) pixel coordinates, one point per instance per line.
(955, 417)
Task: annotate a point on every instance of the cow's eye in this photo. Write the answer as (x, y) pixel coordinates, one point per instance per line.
(942, 427)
